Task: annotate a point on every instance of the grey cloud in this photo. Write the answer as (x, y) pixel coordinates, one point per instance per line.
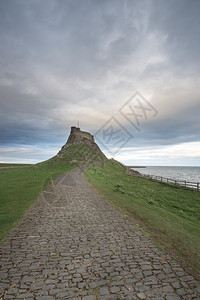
(74, 38)
(64, 61)
(179, 21)
(180, 126)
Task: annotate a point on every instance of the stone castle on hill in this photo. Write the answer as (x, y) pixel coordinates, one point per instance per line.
(78, 136)
(81, 138)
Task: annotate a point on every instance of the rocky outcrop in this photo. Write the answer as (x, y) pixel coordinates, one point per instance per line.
(81, 138)
(132, 172)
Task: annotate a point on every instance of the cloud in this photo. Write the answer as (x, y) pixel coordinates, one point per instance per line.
(27, 154)
(184, 154)
(68, 61)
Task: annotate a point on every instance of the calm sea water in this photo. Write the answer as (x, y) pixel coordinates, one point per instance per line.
(181, 173)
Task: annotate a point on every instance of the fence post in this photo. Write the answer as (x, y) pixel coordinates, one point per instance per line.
(175, 182)
(197, 186)
(185, 183)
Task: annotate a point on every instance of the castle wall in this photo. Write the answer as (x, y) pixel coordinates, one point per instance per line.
(81, 134)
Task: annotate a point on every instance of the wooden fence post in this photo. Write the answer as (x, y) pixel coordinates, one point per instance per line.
(197, 186)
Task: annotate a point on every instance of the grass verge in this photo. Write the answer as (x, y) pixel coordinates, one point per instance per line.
(171, 214)
(20, 187)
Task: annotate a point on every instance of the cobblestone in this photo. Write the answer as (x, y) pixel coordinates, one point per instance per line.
(73, 245)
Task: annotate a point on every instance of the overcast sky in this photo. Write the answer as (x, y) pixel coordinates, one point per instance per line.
(63, 61)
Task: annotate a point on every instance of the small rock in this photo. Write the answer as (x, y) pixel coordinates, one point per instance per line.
(141, 296)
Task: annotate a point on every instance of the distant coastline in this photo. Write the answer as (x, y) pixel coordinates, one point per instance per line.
(136, 167)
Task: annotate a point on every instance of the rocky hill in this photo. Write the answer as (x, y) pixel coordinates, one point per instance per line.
(81, 138)
(79, 149)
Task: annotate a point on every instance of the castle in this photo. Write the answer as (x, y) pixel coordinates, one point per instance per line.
(81, 138)
(78, 136)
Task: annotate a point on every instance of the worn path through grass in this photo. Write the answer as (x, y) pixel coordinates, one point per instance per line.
(20, 187)
(21, 184)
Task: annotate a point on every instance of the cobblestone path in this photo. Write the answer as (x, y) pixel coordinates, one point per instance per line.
(73, 245)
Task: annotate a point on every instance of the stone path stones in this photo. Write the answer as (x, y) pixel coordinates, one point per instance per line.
(73, 245)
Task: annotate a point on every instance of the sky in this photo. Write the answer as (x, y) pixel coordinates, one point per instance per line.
(128, 71)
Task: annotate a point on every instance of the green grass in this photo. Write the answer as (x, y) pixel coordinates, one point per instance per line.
(170, 214)
(5, 165)
(80, 154)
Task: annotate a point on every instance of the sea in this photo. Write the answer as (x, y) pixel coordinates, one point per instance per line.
(178, 173)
